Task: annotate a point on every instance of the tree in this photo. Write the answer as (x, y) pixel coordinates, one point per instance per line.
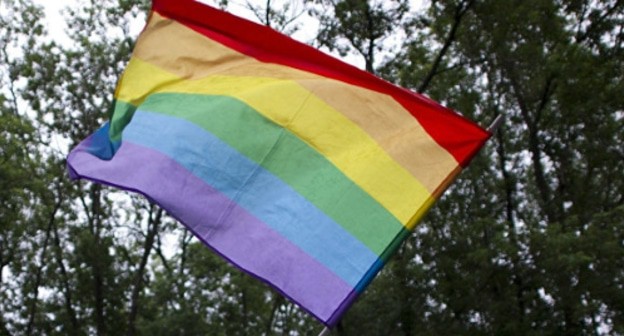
(512, 248)
(358, 25)
(527, 241)
(283, 20)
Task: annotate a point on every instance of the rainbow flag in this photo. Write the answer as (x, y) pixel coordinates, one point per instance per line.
(297, 168)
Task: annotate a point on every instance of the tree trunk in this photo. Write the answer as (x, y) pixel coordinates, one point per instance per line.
(152, 231)
(33, 307)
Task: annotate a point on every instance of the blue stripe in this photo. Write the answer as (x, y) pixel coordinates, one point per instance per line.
(255, 189)
(100, 144)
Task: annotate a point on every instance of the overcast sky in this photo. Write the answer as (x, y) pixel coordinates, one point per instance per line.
(56, 24)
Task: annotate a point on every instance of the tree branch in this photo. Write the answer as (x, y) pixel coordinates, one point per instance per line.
(65, 283)
(11, 85)
(33, 307)
(534, 142)
(153, 223)
(460, 11)
(582, 36)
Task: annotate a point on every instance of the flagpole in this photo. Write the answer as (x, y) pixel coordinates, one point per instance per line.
(496, 123)
(325, 332)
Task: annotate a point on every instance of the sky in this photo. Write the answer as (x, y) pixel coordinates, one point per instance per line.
(56, 25)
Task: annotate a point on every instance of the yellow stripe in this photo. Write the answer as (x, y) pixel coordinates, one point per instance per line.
(190, 55)
(289, 105)
(422, 210)
(393, 128)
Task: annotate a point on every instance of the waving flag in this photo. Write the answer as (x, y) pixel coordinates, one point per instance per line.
(300, 169)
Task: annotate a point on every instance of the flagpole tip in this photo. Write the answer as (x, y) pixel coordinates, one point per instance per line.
(496, 123)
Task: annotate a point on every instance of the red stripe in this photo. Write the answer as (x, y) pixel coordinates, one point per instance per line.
(459, 136)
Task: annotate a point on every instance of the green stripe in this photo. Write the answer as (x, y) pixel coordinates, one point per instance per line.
(120, 116)
(255, 136)
(383, 260)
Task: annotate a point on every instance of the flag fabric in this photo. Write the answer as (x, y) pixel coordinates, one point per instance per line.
(299, 169)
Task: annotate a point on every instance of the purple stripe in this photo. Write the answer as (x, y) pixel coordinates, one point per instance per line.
(241, 238)
(342, 309)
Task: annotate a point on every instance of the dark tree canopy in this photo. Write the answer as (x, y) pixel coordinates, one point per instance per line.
(529, 240)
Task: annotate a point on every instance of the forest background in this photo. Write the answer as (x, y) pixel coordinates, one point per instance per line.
(529, 241)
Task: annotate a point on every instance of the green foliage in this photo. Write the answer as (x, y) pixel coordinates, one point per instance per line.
(529, 240)
(357, 25)
(512, 248)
